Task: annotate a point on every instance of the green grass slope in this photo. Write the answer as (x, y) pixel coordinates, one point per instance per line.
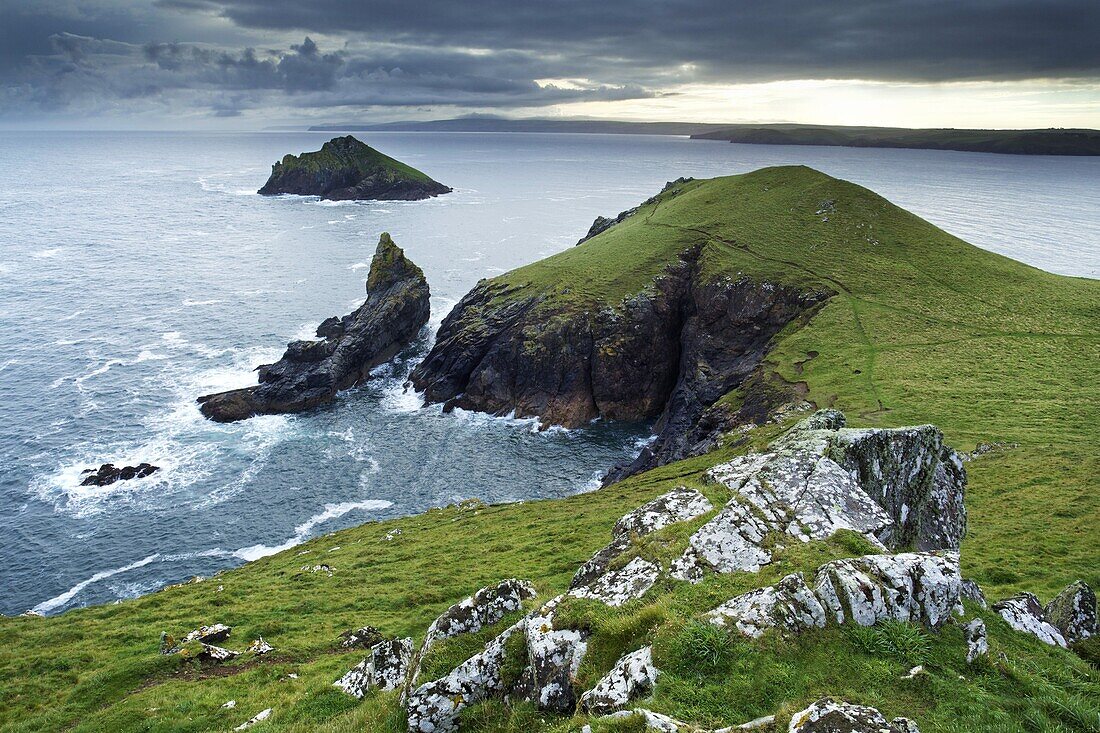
(923, 328)
(348, 151)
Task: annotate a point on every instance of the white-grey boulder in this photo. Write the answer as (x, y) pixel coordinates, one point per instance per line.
(1073, 612)
(553, 658)
(1024, 613)
(386, 668)
(829, 716)
(483, 608)
(616, 587)
(977, 641)
(790, 605)
(632, 677)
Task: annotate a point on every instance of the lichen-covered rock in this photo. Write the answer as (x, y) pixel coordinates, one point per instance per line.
(365, 637)
(1023, 612)
(211, 653)
(260, 647)
(209, 634)
(917, 587)
(680, 505)
(312, 372)
(553, 655)
(971, 591)
(828, 716)
(386, 668)
(1073, 612)
(434, 706)
(899, 488)
(257, 718)
(619, 586)
(653, 721)
(789, 605)
(483, 608)
(632, 677)
(977, 641)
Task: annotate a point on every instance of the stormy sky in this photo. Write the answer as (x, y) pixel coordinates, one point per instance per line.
(257, 63)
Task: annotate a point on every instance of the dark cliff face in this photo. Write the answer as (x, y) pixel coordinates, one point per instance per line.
(312, 372)
(667, 353)
(347, 169)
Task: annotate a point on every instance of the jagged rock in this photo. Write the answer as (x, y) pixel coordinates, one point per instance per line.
(259, 647)
(971, 591)
(386, 668)
(788, 605)
(211, 653)
(1023, 612)
(619, 586)
(977, 641)
(1073, 612)
(554, 655)
(312, 372)
(680, 505)
(322, 568)
(30, 612)
(108, 473)
(434, 706)
(602, 223)
(209, 634)
(827, 716)
(632, 677)
(365, 637)
(483, 608)
(346, 168)
(230, 704)
(258, 718)
(898, 487)
(913, 586)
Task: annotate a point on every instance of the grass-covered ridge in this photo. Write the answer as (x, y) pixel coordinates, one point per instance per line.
(923, 328)
(347, 151)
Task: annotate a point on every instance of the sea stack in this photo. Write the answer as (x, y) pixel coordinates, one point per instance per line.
(312, 372)
(347, 169)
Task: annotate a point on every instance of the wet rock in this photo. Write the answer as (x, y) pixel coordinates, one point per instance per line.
(348, 169)
(554, 656)
(258, 718)
(1023, 612)
(828, 716)
(434, 706)
(364, 637)
(916, 587)
(483, 608)
(977, 641)
(620, 586)
(789, 605)
(108, 474)
(259, 647)
(680, 505)
(632, 677)
(312, 372)
(386, 668)
(1073, 612)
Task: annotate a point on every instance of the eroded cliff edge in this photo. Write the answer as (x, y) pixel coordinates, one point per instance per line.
(312, 372)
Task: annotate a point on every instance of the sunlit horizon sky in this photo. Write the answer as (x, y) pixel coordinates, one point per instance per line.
(256, 64)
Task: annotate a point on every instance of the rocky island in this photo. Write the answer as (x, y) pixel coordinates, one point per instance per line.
(348, 169)
(312, 372)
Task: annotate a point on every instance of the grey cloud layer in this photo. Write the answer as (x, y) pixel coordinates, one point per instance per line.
(233, 55)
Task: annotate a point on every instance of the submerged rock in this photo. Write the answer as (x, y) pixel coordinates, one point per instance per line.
(1073, 612)
(312, 372)
(108, 474)
(632, 677)
(828, 716)
(1024, 613)
(346, 168)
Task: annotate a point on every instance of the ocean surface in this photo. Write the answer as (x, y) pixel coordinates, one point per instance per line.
(140, 270)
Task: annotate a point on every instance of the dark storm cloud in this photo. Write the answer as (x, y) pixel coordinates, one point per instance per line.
(912, 40)
(226, 56)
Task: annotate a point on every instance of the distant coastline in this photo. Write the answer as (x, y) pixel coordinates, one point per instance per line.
(1054, 141)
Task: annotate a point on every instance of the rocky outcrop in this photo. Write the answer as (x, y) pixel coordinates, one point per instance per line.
(616, 587)
(668, 352)
(977, 640)
(914, 587)
(259, 647)
(346, 168)
(312, 372)
(1073, 612)
(828, 716)
(603, 223)
(483, 608)
(553, 658)
(631, 678)
(109, 473)
(900, 488)
(386, 668)
(1024, 613)
(364, 637)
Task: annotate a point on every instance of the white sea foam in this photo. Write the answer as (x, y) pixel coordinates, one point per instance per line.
(61, 600)
(212, 301)
(47, 254)
(302, 531)
(71, 316)
(359, 266)
(7, 364)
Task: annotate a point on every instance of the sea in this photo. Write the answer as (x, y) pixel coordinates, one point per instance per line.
(139, 270)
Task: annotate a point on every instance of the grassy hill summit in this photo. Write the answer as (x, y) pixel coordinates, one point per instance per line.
(761, 307)
(347, 168)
